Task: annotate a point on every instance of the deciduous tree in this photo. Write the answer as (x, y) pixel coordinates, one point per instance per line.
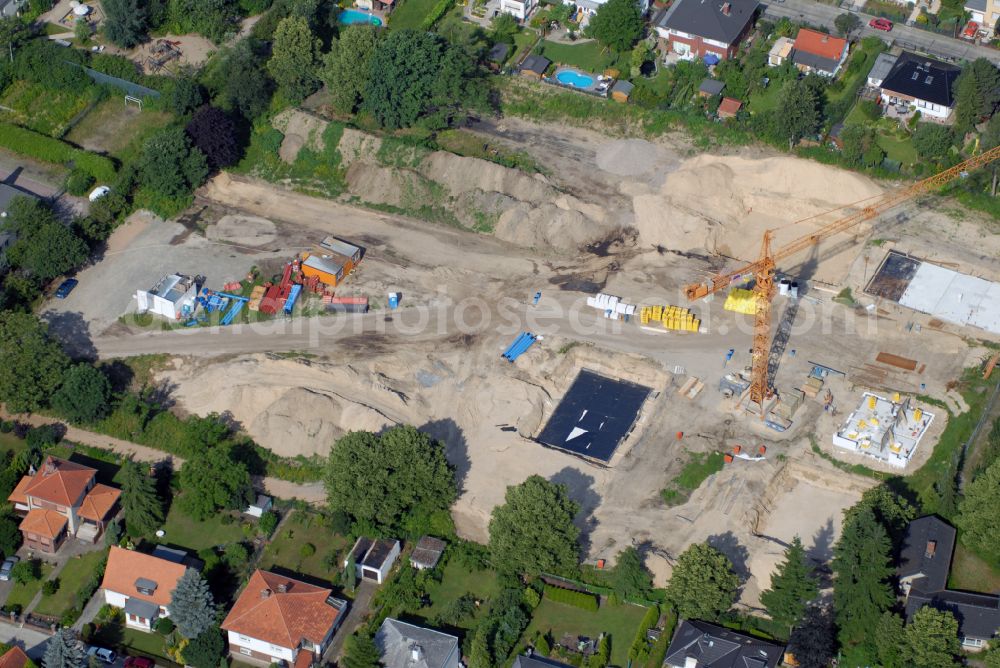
(977, 516)
(792, 587)
(846, 23)
(813, 641)
(617, 24)
(630, 579)
(800, 114)
(888, 638)
(10, 535)
(294, 56)
(141, 506)
(214, 480)
(239, 80)
(703, 584)
(932, 141)
(85, 395)
(31, 363)
(862, 567)
(191, 607)
(205, 650)
(930, 640)
(125, 22)
(360, 652)
(169, 165)
(345, 67)
(533, 531)
(391, 481)
(213, 132)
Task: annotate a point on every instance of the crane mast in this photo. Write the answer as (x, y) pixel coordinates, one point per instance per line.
(763, 268)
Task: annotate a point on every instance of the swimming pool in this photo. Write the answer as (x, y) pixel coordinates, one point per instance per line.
(575, 79)
(351, 16)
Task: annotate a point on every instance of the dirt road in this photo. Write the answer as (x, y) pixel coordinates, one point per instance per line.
(308, 492)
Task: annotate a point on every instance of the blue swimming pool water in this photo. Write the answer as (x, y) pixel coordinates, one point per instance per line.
(349, 16)
(575, 79)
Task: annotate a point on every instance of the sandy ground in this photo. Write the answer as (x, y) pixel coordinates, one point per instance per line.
(420, 366)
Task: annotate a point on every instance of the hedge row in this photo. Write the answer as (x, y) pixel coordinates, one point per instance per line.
(39, 146)
(578, 599)
(437, 11)
(639, 651)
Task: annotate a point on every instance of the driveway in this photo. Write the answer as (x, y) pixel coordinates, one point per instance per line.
(355, 615)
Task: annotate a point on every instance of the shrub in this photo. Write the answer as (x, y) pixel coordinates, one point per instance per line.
(50, 587)
(532, 598)
(439, 9)
(307, 550)
(87, 632)
(6, 426)
(640, 646)
(35, 145)
(578, 599)
(39, 438)
(268, 523)
(164, 626)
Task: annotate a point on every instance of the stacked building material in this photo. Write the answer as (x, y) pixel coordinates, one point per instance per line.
(613, 307)
(256, 295)
(346, 304)
(675, 318)
(741, 301)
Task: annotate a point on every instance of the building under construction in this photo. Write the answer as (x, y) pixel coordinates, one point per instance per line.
(887, 429)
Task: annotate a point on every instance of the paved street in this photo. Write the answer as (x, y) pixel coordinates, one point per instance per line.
(31, 641)
(907, 37)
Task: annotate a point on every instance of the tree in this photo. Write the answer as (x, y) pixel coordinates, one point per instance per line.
(191, 607)
(893, 511)
(812, 642)
(360, 652)
(799, 115)
(125, 22)
(295, 54)
(82, 32)
(503, 28)
(169, 165)
(641, 55)
(873, 156)
(31, 363)
(13, 31)
(533, 531)
(976, 93)
(64, 651)
(861, 589)
(992, 657)
(214, 19)
(213, 132)
(390, 481)
(419, 76)
(630, 579)
(932, 140)
(846, 24)
(141, 506)
(977, 513)
(85, 395)
(205, 650)
(187, 93)
(617, 24)
(345, 67)
(214, 480)
(888, 637)
(25, 571)
(45, 247)
(703, 584)
(792, 587)
(10, 535)
(239, 81)
(855, 140)
(930, 640)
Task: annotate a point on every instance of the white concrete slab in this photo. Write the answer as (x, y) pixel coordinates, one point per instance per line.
(955, 297)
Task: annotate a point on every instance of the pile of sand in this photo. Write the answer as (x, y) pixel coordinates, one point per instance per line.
(724, 204)
(356, 145)
(388, 185)
(630, 157)
(300, 129)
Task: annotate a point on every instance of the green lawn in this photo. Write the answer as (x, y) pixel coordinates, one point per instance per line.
(457, 581)
(971, 573)
(522, 40)
(112, 128)
(145, 644)
(21, 594)
(183, 531)
(764, 100)
(41, 109)
(898, 149)
(12, 443)
(410, 13)
(620, 621)
(589, 56)
(285, 550)
(71, 579)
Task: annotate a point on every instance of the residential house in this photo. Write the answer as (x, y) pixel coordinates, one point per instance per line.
(403, 645)
(706, 28)
(884, 63)
(729, 107)
(15, 658)
(706, 645)
(519, 9)
(427, 553)
(534, 66)
(986, 13)
(537, 661)
(819, 52)
(373, 558)
(62, 499)
(11, 7)
(590, 7)
(141, 585)
(780, 51)
(924, 563)
(281, 620)
(921, 82)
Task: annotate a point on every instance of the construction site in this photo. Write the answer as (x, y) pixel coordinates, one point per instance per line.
(740, 303)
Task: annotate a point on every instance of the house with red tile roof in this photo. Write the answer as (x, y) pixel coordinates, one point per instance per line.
(62, 499)
(278, 619)
(141, 585)
(15, 658)
(818, 52)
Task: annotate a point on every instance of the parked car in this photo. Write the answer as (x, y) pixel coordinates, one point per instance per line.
(139, 662)
(8, 566)
(881, 24)
(104, 654)
(66, 287)
(98, 192)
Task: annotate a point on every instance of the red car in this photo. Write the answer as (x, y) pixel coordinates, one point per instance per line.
(139, 662)
(881, 24)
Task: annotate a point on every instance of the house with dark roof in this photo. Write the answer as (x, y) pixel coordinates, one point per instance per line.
(537, 661)
(373, 558)
(921, 82)
(709, 646)
(141, 585)
(706, 28)
(280, 620)
(818, 52)
(403, 645)
(924, 564)
(62, 499)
